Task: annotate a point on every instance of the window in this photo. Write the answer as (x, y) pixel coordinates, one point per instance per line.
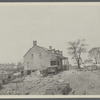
(58, 63)
(27, 64)
(32, 56)
(40, 55)
(53, 63)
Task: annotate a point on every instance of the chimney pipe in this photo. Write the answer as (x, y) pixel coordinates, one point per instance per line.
(34, 43)
(57, 51)
(53, 50)
(61, 52)
(50, 47)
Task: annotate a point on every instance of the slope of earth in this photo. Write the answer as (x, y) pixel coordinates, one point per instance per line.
(81, 82)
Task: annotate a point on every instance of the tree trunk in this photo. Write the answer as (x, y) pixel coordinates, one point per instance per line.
(78, 63)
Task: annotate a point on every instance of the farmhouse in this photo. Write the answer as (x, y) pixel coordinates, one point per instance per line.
(40, 58)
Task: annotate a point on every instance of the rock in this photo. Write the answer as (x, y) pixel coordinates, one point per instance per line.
(92, 85)
(60, 80)
(49, 92)
(73, 92)
(84, 93)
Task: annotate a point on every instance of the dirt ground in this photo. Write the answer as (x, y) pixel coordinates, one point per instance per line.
(81, 82)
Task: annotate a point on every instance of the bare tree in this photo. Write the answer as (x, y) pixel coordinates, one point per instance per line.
(95, 54)
(75, 49)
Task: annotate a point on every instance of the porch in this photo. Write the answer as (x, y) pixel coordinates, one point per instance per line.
(58, 64)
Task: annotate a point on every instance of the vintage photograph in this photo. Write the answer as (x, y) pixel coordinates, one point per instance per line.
(50, 48)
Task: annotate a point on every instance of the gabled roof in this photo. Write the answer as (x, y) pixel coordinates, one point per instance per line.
(45, 49)
(27, 52)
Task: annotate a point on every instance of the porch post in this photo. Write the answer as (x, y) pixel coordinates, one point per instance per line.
(64, 61)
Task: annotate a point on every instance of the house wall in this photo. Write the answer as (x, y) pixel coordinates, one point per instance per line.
(40, 60)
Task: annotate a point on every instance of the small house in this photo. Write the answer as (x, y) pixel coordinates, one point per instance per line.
(40, 58)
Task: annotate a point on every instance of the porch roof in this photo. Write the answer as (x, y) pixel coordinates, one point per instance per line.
(61, 57)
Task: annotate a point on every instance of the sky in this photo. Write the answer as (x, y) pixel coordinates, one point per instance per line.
(51, 24)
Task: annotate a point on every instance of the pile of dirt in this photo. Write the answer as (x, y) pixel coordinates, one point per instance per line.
(81, 82)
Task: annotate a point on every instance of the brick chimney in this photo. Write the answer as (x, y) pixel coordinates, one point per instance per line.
(34, 43)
